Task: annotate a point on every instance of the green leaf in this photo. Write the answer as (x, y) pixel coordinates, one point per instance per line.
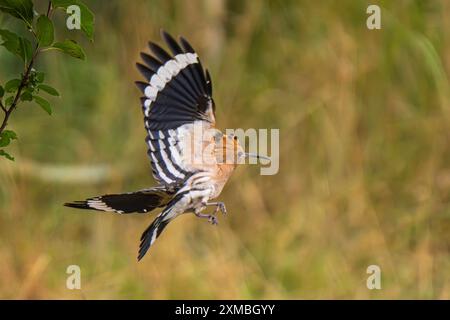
(87, 19)
(10, 134)
(12, 85)
(6, 137)
(45, 30)
(5, 154)
(26, 96)
(2, 92)
(49, 89)
(25, 49)
(44, 104)
(4, 142)
(71, 48)
(40, 76)
(10, 41)
(16, 45)
(9, 101)
(21, 9)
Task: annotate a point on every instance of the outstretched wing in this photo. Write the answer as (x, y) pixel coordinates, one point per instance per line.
(140, 201)
(178, 96)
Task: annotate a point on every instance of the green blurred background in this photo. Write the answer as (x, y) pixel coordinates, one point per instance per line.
(364, 176)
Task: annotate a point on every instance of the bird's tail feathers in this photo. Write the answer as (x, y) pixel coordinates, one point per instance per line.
(175, 207)
(151, 234)
(141, 201)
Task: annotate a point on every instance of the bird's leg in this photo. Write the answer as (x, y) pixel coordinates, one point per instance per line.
(220, 206)
(211, 218)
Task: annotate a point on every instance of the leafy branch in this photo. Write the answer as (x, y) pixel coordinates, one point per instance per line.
(31, 82)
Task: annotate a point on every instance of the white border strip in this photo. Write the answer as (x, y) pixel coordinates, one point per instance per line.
(164, 74)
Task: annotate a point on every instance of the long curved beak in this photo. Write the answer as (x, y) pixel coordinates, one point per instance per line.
(257, 156)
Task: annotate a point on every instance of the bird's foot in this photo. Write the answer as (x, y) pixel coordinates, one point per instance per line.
(211, 218)
(220, 206)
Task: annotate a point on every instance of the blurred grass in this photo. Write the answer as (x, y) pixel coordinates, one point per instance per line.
(364, 166)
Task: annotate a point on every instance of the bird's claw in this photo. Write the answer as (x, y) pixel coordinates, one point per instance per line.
(221, 207)
(213, 220)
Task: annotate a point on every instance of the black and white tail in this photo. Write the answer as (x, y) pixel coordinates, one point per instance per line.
(174, 208)
(151, 233)
(140, 201)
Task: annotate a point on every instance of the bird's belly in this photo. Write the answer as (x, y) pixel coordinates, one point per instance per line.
(217, 189)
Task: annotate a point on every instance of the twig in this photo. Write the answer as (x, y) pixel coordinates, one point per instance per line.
(49, 9)
(22, 85)
(24, 80)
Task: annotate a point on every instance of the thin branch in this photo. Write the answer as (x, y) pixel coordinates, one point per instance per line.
(22, 85)
(49, 9)
(25, 78)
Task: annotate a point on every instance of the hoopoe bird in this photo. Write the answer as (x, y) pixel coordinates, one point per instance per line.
(191, 160)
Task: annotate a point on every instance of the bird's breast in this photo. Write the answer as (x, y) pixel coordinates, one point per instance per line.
(221, 177)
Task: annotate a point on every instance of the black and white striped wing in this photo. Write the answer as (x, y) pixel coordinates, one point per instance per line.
(140, 201)
(178, 94)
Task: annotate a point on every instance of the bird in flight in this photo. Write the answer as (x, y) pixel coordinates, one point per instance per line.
(191, 160)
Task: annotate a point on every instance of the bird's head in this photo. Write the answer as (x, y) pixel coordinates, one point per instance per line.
(233, 153)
